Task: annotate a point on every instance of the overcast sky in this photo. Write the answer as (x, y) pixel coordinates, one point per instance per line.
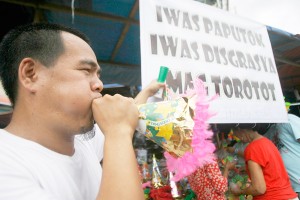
(282, 14)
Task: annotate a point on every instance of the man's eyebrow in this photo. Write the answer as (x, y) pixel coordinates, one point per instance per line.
(89, 62)
(92, 64)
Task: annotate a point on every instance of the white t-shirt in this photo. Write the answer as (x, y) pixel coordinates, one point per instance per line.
(29, 171)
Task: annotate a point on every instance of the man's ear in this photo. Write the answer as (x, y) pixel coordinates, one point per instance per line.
(28, 73)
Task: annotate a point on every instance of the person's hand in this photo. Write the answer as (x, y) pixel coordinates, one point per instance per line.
(153, 87)
(115, 114)
(149, 91)
(235, 189)
(230, 165)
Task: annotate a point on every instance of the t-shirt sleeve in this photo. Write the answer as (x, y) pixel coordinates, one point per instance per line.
(256, 154)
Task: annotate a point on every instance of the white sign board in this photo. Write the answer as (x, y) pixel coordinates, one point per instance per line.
(232, 55)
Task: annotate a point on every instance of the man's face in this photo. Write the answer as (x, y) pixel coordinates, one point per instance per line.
(68, 88)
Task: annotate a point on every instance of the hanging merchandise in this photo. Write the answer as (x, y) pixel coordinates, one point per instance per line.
(159, 190)
(145, 172)
(157, 181)
(176, 192)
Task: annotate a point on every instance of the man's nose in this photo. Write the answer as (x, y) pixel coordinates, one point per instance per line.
(97, 85)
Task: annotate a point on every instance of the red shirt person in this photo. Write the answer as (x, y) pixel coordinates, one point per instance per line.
(269, 178)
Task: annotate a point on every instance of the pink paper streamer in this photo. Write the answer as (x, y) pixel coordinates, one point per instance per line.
(202, 144)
